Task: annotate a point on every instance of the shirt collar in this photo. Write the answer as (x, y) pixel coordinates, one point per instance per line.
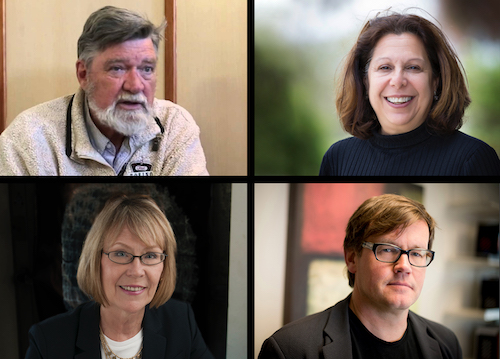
(404, 140)
(97, 139)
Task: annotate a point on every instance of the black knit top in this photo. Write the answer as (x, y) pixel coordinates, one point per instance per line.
(415, 153)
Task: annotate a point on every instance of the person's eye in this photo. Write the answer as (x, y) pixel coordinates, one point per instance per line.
(147, 71)
(151, 255)
(388, 250)
(414, 68)
(120, 254)
(417, 254)
(384, 68)
(116, 69)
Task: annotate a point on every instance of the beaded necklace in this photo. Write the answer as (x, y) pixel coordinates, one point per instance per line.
(109, 353)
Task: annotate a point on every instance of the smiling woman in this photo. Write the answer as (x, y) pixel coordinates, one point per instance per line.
(400, 83)
(128, 268)
(134, 225)
(402, 95)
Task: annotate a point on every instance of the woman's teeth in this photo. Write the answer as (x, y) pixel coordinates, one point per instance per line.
(398, 100)
(132, 289)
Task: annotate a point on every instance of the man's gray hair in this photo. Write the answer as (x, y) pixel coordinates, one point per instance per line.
(111, 26)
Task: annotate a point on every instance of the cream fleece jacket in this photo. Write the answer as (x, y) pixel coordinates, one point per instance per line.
(35, 144)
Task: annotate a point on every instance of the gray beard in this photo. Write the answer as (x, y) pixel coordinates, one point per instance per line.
(126, 122)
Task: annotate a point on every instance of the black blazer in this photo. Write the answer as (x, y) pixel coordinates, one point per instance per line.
(169, 332)
(326, 335)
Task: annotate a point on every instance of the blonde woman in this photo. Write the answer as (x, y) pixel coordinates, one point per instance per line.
(128, 267)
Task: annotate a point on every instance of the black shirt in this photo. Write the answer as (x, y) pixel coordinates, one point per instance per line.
(365, 345)
(416, 153)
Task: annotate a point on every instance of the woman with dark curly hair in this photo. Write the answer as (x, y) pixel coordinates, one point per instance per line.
(402, 95)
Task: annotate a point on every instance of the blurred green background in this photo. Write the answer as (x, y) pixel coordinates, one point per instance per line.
(300, 45)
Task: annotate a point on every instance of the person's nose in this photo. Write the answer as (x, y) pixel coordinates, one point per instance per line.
(136, 267)
(398, 78)
(403, 264)
(133, 82)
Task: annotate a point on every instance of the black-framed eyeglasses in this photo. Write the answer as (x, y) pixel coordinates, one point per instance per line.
(149, 259)
(389, 253)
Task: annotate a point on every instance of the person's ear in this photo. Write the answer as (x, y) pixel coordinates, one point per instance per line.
(350, 258)
(435, 84)
(82, 74)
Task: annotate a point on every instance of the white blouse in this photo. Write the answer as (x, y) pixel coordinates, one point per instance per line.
(126, 349)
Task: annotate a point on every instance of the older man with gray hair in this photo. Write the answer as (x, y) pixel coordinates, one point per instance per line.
(113, 125)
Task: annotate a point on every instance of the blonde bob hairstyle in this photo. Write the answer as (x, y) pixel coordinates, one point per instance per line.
(381, 215)
(142, 216)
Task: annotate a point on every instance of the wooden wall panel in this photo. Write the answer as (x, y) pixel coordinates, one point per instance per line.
(170, 57)
(212, 79)
(3, 94)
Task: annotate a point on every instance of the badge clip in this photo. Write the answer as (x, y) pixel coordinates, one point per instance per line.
(156, 143)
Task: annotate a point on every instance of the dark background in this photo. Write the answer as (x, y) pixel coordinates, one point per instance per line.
(37, 212)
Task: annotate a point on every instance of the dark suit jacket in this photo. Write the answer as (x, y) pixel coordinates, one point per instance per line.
(169, 332)
(326, 335)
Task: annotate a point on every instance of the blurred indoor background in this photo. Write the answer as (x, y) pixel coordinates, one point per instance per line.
(299, 45)
(300, 268)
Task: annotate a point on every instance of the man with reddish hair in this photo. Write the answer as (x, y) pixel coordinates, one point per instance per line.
(387, 249)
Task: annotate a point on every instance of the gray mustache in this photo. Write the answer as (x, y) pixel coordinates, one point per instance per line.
(139, 98)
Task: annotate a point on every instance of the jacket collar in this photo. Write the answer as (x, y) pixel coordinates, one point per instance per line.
(157, 331)
(78, 145)
(154, 344)
(431, 348)
(403, 140)
(87, 341)
(338, 340)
